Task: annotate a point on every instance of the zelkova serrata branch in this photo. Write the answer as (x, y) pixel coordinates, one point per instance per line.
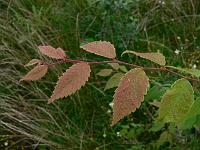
(132, 86)
(165, 69)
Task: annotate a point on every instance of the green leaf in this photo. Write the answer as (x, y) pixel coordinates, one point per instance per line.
(155, 103)
(195, 109)
(155, 93)
(172, 128)
(157, 126)
(123, 132)
(194, 72)
(190, 118)
(105, 72)
(114, 66)
(198, 28)
(164, 137)
(188, 123)
(123, 68)
(154, 57)
(113, 81)
(176, 102)
(131, 134)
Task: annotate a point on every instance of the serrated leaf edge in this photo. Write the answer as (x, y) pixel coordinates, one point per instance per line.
(46, 70)
(159, 118)
(136, 53)
(143, 95)
(82, 46)
(49, 101)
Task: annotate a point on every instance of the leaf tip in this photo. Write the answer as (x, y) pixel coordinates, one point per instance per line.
(124, 102)
(57, 53)
(113, 122)
(36, 73)
(101, 48)
(124, 53)
(50, 101)
(72, 80)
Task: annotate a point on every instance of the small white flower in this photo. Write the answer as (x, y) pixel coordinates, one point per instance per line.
(178, 37)
(186, 40)
(172, 19)
(104, 135)
(5, 143)
(194, 66)
(118, 134)
(177, 51)
(111, 104)
(109, 111)
(161, 2)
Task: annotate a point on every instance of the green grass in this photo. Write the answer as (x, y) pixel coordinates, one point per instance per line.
(81, 120)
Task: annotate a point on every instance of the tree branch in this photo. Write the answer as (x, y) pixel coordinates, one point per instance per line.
(66, 60)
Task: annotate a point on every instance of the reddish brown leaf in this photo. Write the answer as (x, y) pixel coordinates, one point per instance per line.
(129, 94)
(33, 62)
(36, 73)
(155, 57)
(71, 81)
(52, 52)
(101, 48)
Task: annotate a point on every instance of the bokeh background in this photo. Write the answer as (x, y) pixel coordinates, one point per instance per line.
(82, 121)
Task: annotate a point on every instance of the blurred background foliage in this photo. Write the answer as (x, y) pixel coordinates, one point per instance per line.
(82, 121)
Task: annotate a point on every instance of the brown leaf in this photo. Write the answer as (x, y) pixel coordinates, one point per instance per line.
(155, 57)
(33, 62)
(71, 81)
(101, 48)
(36, 73)
(129, 94)
(52, 52)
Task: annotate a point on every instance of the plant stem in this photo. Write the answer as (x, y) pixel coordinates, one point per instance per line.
(122, 63)
(104, 62)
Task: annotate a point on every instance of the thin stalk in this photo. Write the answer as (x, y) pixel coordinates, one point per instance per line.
(66, 60)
